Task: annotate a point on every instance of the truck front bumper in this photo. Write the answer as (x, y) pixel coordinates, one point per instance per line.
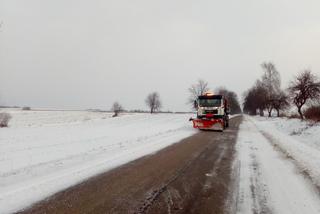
(208, 124)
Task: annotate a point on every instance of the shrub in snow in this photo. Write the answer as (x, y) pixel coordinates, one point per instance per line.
(4, 119)
(26, 108)
(116, 108)
(313, 113)
(294, 116)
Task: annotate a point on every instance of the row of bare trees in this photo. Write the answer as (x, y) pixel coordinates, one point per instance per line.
(153, 102)
(201, 87)
(266, 93)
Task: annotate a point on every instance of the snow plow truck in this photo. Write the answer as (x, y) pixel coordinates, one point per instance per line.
(212, 112)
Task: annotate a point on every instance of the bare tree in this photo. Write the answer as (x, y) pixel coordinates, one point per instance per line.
(303, 88)
(153, 102)
(116, 108)
(280, 102)
(260, 98)
(196, 90)
(250, 104)
(271, 82)
(271, 77)
(232, 99)
(255, 99)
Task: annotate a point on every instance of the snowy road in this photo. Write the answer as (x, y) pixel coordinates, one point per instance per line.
(270, 181)
(191, 176)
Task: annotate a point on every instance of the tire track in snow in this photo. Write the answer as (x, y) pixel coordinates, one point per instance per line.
(255, 190)
(302, 168)
(259, 191)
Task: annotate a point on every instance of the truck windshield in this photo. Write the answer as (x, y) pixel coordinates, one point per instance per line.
(209, 102)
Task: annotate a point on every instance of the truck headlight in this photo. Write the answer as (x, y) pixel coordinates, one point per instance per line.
(200, 111)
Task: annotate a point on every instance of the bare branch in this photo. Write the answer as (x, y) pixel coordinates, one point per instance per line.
(196, 90)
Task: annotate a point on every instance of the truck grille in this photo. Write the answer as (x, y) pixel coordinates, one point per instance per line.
(211, 111)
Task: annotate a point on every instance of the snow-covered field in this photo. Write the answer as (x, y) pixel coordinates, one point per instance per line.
(43, 152)
(52, 118)
(279, 166)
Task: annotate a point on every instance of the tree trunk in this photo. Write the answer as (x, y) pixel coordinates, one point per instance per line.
(300, 113)
(261, 112)
(269, 112)
(278, 112)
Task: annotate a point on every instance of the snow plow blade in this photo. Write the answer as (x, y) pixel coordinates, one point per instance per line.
(214, 124)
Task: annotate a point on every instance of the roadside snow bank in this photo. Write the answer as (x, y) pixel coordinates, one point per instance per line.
(298, 140)
(39, 160)
(269, 182)
(304, 131)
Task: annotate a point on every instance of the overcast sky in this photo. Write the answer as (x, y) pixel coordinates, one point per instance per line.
(80, 54)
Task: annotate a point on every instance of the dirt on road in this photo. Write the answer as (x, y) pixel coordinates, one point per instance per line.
(192, 176)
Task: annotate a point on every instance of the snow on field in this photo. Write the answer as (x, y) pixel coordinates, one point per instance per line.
(48, 118)
(269, 181)
(43, 152)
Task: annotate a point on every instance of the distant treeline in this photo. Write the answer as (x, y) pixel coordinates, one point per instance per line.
(267, 94)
